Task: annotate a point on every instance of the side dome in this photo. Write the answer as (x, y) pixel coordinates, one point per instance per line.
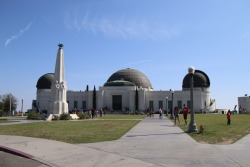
(200, 80)
(45, 81)
(128, 77)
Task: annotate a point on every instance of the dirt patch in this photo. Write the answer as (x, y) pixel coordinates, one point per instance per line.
(105, 124)
(227, 141)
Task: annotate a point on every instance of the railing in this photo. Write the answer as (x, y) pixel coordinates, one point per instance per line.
(210, 108)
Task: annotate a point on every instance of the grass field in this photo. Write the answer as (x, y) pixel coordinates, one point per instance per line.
(116, 116)
(112, 127)
(4, 121)
(216, 129)
(87, 131)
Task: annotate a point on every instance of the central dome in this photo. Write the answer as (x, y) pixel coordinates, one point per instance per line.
(128, 77)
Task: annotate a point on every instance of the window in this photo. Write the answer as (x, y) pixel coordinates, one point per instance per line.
(84, 105)
(151, 104)
(188, 103)
(179, 104)
(75, 104)
(161, 104)
(170, 104)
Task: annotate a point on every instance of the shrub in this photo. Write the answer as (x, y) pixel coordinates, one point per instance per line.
(55, 117)
(65, 117)
(83, 116)
(34, 116)
(1, 113)
(131, 113)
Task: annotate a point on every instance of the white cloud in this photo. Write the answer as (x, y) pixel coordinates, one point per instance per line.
(123, 28)
(21, 32)
(138, 62)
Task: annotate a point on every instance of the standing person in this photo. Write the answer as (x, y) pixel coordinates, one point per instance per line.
(160, 111)
(228, 117)
(176, 115)
(185, 113)
(150, 112)
(101, 112)
(92, 113)
(153, 112)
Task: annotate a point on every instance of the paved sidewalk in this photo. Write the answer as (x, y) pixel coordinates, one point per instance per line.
(153, 142)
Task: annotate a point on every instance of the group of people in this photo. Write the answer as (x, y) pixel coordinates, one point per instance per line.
(94, 113)
(151, 112)
(176, 114)
(186, 111)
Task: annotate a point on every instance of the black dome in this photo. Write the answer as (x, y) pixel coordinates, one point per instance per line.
(45, 81)
(200, 80)
(128, 77)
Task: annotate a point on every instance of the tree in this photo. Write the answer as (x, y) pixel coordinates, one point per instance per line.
(136, 100)
(1, 108)
(94, 98)
(9, 103)
(87, 88)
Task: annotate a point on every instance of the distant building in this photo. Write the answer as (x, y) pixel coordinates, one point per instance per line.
(119, 92)
(244, 104)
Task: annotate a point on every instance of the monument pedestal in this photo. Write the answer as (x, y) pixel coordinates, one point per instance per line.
(59, 107)
(50, 117)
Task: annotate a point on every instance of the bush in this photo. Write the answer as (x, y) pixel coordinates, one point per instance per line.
(83, 116)
(34, 116)
(65, 117)
(55, 117)
(1, 113)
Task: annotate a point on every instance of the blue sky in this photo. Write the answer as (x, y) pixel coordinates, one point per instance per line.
(160, 38)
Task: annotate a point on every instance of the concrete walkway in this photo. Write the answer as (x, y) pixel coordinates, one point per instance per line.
(152, 143)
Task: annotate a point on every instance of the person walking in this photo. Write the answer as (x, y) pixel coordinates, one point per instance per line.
(185, 113)
(176, 115)
(160, 112)
(228, 117)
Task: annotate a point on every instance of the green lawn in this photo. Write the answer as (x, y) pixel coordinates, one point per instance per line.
(87, 131)
(4, 121)
(122, 116)
(108, 128)
(216, 129)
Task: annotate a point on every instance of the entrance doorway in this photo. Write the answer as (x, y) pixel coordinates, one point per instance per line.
(117, 102)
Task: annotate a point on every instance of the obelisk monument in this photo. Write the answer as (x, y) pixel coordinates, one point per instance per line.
(59, 103)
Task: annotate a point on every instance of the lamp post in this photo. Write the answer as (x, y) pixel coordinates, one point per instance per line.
(22, 108)
(102, 98)
(166, 106)
(172, 109)
(10, 104)
(192, 124)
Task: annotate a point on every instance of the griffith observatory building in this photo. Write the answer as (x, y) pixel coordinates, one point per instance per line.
(124, 89)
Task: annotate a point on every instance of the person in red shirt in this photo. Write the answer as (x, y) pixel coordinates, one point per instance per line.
(228, 117)
(185, 113)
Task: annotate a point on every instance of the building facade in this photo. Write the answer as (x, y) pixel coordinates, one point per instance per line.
(130, 89)
(244, 104)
